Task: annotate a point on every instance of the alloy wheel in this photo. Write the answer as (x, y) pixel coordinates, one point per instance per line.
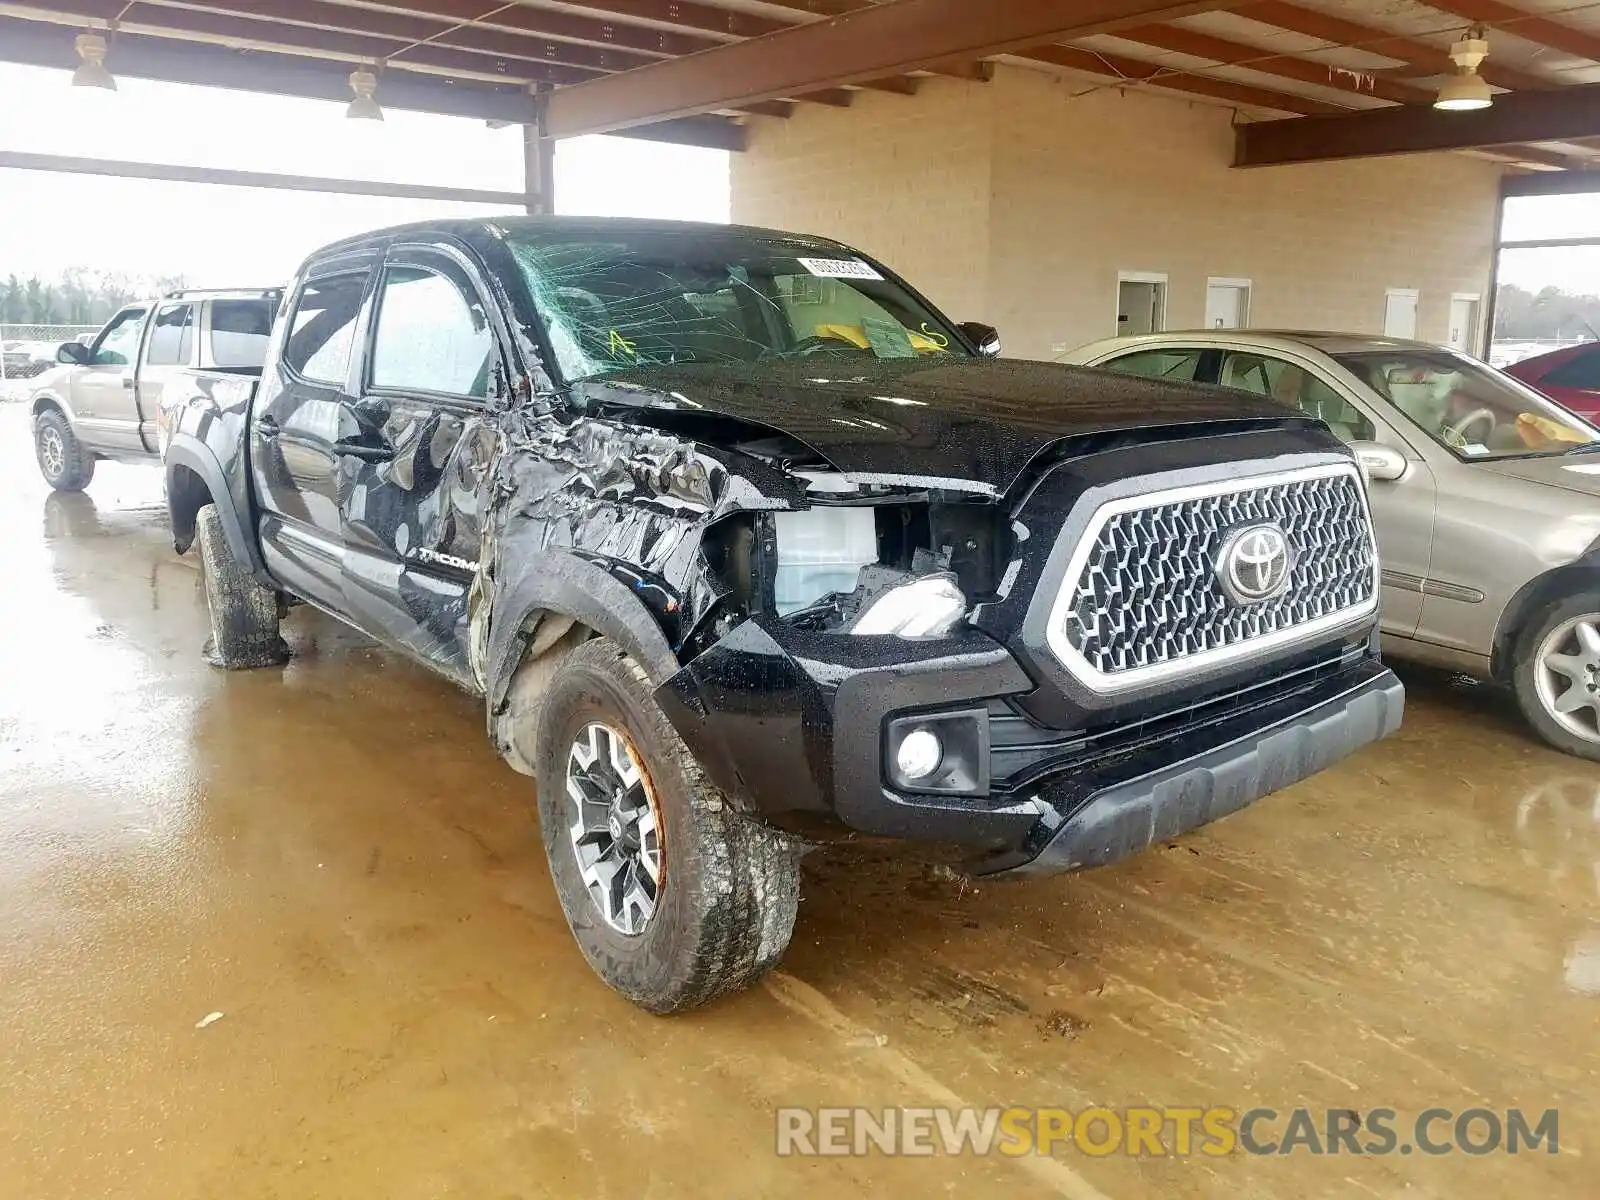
(616, 828)
(1567, 676)
(52, 454)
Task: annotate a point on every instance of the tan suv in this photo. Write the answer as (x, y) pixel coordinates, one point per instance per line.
(1486, 497)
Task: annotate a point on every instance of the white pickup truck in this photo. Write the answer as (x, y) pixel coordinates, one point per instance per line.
(104, 399)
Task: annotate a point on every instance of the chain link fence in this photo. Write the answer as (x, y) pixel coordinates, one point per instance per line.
(27, 351)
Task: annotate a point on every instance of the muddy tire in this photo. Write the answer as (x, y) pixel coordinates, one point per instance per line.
(64, 463)
(1556, 674)
(715, 910)
(244, 614)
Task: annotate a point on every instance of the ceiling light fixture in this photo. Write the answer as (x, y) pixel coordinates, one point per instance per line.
(91, 72)
(364, 108)
(1466, 90)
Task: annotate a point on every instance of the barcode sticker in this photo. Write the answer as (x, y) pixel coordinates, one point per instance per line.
(839, 268)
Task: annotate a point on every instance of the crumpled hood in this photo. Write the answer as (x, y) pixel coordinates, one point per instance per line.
(979, 420)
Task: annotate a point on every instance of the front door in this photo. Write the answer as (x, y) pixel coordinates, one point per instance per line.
(422, 441)
(1402, 509)
(299, 419)
(104, 406)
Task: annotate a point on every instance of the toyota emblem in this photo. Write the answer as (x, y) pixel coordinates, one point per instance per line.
(1254, 564)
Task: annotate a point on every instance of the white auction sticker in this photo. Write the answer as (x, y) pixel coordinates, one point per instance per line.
(839, 268)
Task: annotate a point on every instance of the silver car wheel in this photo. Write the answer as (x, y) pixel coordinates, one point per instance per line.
(52, 454)
(1567, 676)
(616, 829)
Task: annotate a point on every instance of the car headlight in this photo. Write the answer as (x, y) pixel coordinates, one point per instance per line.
(928, 607)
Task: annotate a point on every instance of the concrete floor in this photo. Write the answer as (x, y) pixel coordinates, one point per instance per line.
(331, 857)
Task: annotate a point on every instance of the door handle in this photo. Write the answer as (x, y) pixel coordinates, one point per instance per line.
(365, 453)
(127, 383)
(267, 427)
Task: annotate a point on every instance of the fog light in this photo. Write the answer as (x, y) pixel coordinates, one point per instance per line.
(919, 755)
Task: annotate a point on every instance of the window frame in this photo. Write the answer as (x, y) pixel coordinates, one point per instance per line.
(188, 330)
(1266, 356)
(1199, 352)
(116, 322)
(431, 256)
(343, 266)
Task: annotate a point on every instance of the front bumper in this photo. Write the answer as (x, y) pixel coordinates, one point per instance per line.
(1172, 798)
(795, 722)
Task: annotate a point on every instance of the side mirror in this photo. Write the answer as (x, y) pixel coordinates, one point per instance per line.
(985, 337)
(74, 354)
(1380, 462)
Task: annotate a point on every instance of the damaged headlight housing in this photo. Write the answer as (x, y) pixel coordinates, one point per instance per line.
(928, 607)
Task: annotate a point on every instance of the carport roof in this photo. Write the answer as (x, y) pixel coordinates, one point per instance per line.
(1353, 77)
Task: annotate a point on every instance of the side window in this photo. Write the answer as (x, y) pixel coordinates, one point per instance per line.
(172, 338)
(119, 344)
(240, 331)
(433, 334)
(1299, 388)
(1179, 366)
(322, 330)
(1580, 371)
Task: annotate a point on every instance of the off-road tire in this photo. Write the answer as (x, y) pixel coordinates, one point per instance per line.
(244, 614)
(730, 884)
(54, 441)
(1525, 667)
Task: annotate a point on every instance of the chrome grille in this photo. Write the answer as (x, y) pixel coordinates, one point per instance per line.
(1143, 596)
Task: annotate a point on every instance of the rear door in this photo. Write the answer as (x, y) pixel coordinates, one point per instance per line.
(170, 350)
(104, 408)
(422, 438)
(300, 417)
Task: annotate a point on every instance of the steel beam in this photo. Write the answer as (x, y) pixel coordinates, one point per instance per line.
(1571, 112)
(884, 39)
(44, 44)
(16, 160)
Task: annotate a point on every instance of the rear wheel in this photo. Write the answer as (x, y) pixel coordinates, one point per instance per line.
(674, 897)
(1557, 675)
(244, 614)
(64, 463)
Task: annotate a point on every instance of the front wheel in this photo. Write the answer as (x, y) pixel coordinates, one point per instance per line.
(64, 463)
(244, 614)
(1557, 675)
(674, 896)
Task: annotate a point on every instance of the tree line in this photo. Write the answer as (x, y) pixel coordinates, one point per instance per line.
(1548, 314)
(78, 296)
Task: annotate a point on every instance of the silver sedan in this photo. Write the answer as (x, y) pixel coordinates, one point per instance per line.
(1486, 497)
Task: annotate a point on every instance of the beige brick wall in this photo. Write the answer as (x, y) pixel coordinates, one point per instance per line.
(1018, 202)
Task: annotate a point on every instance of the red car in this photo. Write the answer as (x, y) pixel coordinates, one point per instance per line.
(1569, 376)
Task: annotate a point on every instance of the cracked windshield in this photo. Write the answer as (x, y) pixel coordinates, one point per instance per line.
(613, 305)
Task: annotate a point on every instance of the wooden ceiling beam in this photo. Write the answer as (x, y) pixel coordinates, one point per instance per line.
(1420, 56)
(1255, 58)
(1137, 71)
(1528, 26)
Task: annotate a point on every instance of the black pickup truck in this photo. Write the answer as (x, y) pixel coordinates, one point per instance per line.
(747, 547)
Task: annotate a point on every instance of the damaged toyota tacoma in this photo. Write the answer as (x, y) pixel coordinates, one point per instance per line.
(748, 548)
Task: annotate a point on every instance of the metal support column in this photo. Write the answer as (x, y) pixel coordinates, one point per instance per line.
(539, 157)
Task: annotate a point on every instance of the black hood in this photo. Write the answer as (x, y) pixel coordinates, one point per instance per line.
(979, 420)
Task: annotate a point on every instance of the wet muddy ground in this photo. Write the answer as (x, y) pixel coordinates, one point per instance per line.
(331, 857)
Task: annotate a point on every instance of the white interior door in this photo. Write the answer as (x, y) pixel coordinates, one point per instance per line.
(1400, 313)
(1227, 303)
(1141, 306)
(1464, 323)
